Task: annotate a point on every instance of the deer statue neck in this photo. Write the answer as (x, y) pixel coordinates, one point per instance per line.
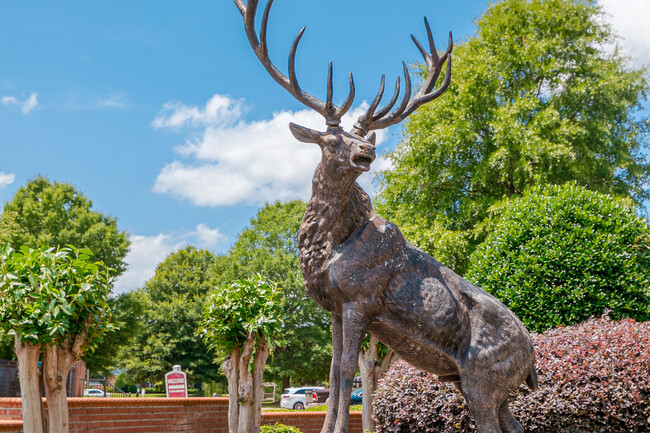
(338, 206)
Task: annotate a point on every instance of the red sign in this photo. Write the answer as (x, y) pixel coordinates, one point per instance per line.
(176, 384)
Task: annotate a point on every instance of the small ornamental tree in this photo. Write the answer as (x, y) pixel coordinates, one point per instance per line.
(593, 377)
(241, 322)
(562, 254)
(54, 303)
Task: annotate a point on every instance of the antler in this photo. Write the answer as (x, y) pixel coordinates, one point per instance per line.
(328, 110)
(382, 119)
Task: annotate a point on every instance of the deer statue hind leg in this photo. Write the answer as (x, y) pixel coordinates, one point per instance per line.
(488, 403)
(484, 411)
(508, 422)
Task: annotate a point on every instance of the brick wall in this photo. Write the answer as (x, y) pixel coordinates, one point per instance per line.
(160, 415)
(11, 426)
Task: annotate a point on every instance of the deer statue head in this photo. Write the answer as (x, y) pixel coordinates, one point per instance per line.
(353, 150)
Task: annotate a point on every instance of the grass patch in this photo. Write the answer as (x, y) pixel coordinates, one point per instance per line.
(354, 408)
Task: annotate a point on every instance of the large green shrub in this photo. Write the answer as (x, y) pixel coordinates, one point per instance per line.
(562, 254)
(593, 377)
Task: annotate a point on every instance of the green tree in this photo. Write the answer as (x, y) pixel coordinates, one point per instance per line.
(537, 97)
(269, 246)
(54, 302)
(55, 214)
(173, 302)
(127, 312)
(242, 320)
(6, 346)
(562, 254)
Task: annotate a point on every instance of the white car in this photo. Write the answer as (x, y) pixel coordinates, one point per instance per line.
(93, 392)
(294, 398)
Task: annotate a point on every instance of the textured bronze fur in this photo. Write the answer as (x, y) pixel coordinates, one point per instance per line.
(359, 267)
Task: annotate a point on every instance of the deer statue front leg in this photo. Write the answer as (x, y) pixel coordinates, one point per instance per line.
(337, 347)
(355, 326)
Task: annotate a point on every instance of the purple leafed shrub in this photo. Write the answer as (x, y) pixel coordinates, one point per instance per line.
(593, 377)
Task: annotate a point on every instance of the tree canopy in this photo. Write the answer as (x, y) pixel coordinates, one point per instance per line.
(242, 309)
(269, 247)
(538, 96)
(50, 296)
(56, 214)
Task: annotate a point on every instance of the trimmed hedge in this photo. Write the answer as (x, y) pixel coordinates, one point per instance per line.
(279, 428)
(593, 377)
(562, 254)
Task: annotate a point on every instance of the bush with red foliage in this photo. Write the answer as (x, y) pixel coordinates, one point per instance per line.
(593, 377)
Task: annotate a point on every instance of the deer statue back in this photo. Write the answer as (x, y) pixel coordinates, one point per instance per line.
(359, 267)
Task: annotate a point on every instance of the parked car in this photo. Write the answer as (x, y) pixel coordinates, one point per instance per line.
(294, 398)
(317, 397)
(93, 393)
(321, 396)
(356, 396)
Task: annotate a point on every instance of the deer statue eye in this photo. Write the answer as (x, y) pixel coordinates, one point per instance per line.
(332, 142)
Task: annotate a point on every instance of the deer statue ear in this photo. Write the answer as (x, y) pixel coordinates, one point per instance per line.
(372, 138)
(305, 135)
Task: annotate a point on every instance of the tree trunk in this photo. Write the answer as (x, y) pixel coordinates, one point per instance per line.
(57, 361)
(245, 392)
(231, 370)
(30, 391)
(372, 369)
(261, 355)
(246, 388)
(367, 362)
(286, 382)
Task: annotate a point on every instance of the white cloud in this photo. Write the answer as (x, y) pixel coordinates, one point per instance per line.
(145, 254)
(219, 111)
(230, 161)
(148, 251)
(207, 237)
(6, 179)
(25, 106)
(629, 18)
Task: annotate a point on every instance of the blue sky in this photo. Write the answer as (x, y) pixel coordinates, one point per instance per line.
(161, 114)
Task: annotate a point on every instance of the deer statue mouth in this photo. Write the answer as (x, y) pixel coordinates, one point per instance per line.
(362, 162)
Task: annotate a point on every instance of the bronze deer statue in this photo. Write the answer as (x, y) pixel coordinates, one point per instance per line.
(359, 267)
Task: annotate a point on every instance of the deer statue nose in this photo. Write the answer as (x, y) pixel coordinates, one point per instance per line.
(363, 156)
(367, 148)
